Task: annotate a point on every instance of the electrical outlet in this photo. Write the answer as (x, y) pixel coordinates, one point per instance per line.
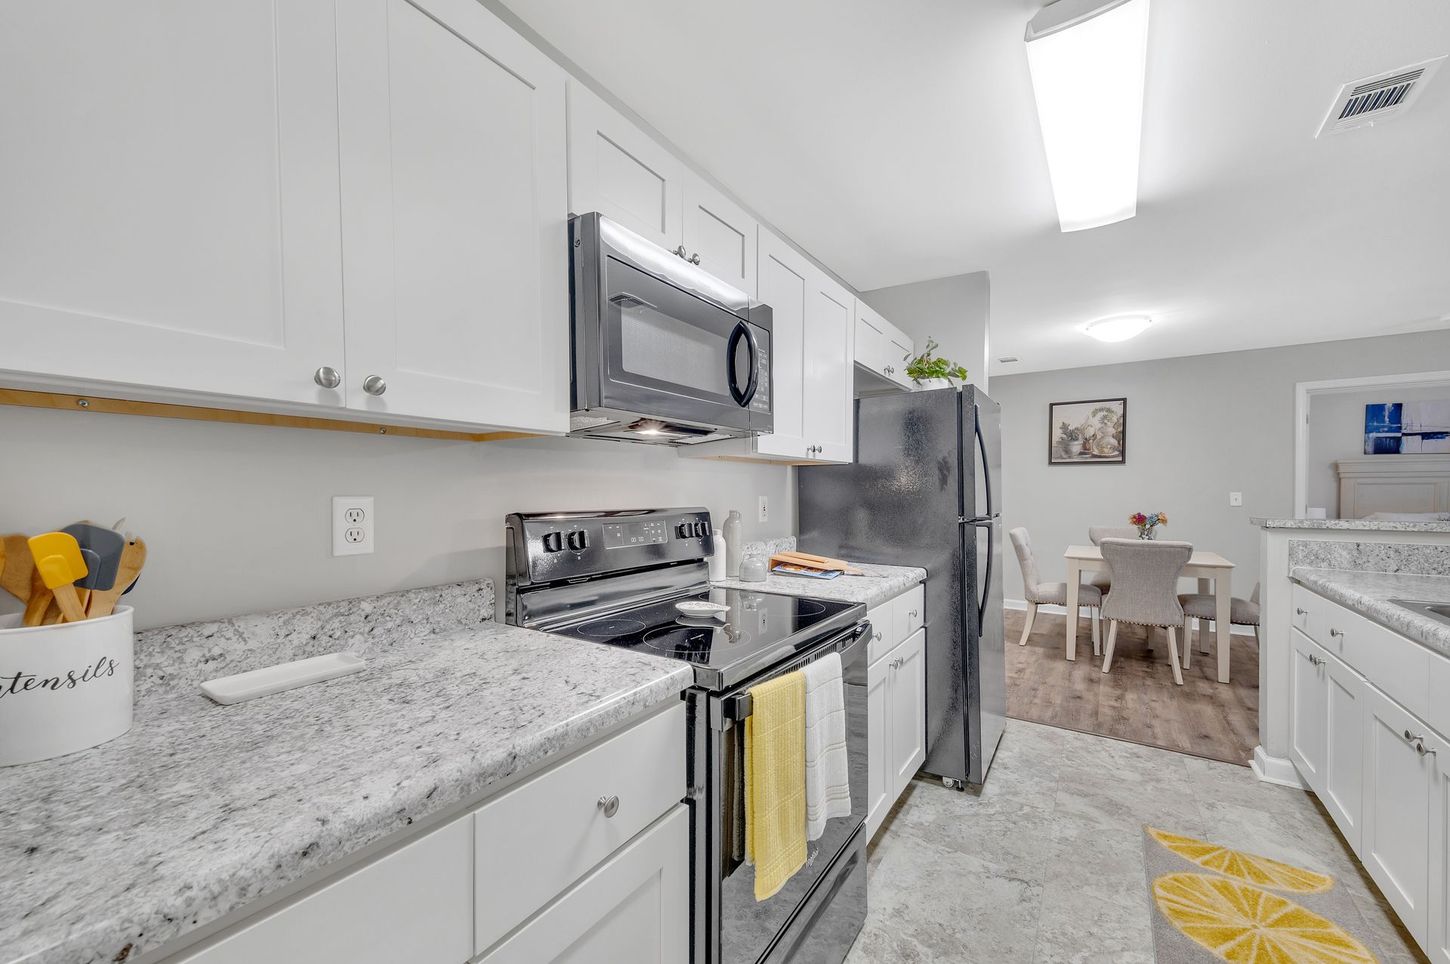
(352, 525)
(1235, 498)
(763, 515)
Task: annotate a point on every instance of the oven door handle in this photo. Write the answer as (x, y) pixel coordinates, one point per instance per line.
(742, 396)
(737, 707)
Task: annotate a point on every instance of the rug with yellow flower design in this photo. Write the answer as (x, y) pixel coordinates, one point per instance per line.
(1210, 903)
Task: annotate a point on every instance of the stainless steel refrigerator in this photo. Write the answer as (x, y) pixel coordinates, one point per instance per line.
(925, 490)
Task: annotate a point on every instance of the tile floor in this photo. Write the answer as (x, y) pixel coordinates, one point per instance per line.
(1046, 864)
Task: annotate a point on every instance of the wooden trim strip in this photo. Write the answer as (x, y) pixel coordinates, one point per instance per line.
(120, 406)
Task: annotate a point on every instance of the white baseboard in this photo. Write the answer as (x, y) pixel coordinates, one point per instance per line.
(1021, 604)
(1276, 770)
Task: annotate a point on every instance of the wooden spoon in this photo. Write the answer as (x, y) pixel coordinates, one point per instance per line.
(133, 558)
(38, 599)
(15, 573)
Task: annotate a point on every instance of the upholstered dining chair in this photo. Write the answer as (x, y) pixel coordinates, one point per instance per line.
(1203, 607)
(1145, 591)
(1102, 578)
(1039, 593)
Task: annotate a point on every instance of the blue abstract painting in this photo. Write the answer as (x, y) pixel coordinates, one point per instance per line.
(1407, 428)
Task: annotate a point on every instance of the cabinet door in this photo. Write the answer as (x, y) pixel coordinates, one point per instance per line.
(455, 236)
(908, 711)
(1398, 784)
(1342, 791)
(878, 743)
(618, 170)
(721, 235)
(871, 348)
(785, 281)
(827, 399)
(169, 187)
(1309, 711)
(1439, 931)
(634, 907)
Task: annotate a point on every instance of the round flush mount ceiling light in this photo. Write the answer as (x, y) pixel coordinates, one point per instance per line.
(1120, 328)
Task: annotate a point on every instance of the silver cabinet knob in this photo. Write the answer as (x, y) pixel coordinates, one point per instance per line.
(1314, 660)
(1300, 612)
(914, 614)
(680, 252)
(695, 258)
(1335, 632)
(374, 385)
(327, 377)
(876, 635)
(609, 804)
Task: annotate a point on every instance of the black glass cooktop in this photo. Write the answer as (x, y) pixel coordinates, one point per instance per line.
(756, 622)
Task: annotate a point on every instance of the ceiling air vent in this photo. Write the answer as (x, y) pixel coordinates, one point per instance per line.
(1361, 103)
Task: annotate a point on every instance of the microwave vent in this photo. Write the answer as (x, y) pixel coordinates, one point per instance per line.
(1365, 102)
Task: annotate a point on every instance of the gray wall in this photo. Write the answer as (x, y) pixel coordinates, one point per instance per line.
(955, 311)
(237, 518)
(1336, 431)
(1198, 428)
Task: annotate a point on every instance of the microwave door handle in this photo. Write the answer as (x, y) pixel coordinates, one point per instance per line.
(742, 396)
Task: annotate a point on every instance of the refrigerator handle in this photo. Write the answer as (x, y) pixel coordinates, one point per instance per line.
(991, 527)
(991, 506)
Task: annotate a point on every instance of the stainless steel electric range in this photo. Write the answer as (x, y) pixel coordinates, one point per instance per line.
(614, 578)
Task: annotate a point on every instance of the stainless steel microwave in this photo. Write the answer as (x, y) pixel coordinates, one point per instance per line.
(661, 350)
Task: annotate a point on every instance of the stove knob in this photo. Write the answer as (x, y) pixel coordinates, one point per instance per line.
(578, 539)
(701, 529)
(553, 541)
(684, 530)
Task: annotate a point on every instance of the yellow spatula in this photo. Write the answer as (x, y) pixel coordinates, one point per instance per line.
(58, 560)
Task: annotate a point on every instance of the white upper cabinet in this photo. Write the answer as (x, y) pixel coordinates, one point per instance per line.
(455, 233)
(882, 350)
(169, 185)
(620, 171)
(827, 378)
(721, 235)
(786, 279)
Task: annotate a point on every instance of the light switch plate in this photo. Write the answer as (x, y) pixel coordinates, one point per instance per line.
(1235, 498)
(352, 525)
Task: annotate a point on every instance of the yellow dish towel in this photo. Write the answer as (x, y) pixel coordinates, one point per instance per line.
(775, 795)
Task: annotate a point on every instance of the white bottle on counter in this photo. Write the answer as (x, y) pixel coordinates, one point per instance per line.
(734, 543)
(717, 558)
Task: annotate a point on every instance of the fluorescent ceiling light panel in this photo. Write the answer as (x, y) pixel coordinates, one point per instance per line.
(1120, 328)
(1087, 60)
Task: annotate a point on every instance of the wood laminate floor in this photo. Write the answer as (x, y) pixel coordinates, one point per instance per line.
(1137, 701)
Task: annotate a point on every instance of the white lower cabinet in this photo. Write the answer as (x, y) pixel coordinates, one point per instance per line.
(634, 907)
(895, 706)
(1360, 741)
(586, 861)
(1400, 784)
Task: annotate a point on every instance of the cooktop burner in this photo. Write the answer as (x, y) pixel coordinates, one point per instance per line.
(756, 621)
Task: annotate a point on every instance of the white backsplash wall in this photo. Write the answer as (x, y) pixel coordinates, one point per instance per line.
(237, 518)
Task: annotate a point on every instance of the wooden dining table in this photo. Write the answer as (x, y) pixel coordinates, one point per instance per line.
(1208, 567)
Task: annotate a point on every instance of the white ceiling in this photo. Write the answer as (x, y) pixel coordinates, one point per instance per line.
(897, 142)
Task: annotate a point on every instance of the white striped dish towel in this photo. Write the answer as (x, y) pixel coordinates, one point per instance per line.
(828, 785)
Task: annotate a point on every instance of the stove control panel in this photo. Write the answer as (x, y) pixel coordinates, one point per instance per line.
(549, 547)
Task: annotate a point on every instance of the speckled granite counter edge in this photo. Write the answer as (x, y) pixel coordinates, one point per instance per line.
(878, 585)
(1336, 585)
(1352, 524)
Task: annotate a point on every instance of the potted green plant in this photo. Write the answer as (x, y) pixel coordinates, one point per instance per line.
(929, 370)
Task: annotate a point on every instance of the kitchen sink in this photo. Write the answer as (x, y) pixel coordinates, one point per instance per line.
(1435, 610)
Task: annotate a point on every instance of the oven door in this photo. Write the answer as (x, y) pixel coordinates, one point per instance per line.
(749, 931)
(672, 342)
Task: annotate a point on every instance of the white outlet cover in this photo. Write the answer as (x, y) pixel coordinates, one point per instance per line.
(352, 525)
(1235, 498)
(763, 512)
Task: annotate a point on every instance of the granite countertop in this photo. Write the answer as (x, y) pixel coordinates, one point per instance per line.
(1372, 525)
(201, 809)
(1369, 594)
(878, 585)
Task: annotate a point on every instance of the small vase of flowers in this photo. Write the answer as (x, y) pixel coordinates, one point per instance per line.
(1147, 522)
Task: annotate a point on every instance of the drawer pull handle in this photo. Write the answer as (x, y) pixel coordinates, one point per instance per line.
(610, 805)
(915, 614)
(876, 635)
(1419, 742)
(1300, 612)
(1335, 632)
